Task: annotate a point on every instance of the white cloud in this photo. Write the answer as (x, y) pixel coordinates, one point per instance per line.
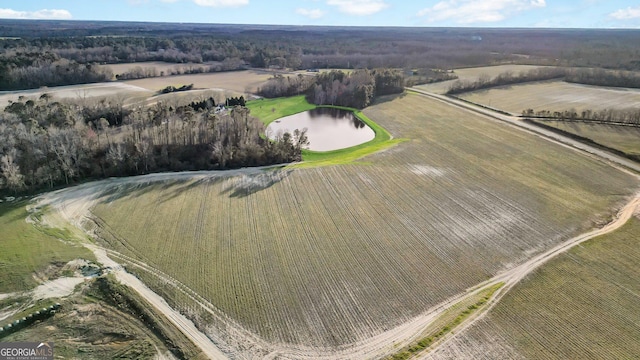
(474, 11)
(39, 14)
(311, 13)
(626, 14)
(359, 7)
(221, 3)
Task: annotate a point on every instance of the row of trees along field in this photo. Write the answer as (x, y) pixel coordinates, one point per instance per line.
(628, 117)
(44, 142)
(26, 70)
(599, 77)
(355, 89)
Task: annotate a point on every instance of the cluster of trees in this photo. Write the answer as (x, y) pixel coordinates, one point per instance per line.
(44, 142)
(27, 70)
(599, 77)
(628, 117)
(171, 88)
(355, 89)
(235, 101)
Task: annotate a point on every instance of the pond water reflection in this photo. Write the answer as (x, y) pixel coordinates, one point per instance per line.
(327, 128)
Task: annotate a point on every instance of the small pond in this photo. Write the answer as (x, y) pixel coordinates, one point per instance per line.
(327, 128)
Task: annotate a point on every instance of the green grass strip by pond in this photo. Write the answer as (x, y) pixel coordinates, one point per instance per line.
(268, 110)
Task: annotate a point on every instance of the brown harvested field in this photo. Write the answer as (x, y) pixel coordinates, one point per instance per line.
(472, 74)
(238, 81)
(325, 257)
(581, 305)
(623, 138)
(111, 89)
(554, 96)
(160, 66)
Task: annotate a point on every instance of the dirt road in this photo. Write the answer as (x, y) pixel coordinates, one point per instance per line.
(75, 203)
(549, 135)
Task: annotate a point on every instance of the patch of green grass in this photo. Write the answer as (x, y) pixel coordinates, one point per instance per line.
(447, 322)
(25, 248)
(268, 110)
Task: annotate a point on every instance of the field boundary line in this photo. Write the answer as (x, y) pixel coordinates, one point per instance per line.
(612, 159)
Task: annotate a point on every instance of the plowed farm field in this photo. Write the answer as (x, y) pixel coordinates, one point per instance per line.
(554, 96)
(581, 305)
(238, 81)
(322, 258)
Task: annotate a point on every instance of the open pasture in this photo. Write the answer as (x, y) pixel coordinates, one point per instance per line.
(326, 257)
(554, 96)
(581, 305)
(473, 74)
(238, 81)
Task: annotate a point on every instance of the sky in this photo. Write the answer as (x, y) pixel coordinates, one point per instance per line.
(431, 13)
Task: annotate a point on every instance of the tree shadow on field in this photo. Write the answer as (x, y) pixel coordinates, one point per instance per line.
(246, 185)
(169, 188)
(387, 98)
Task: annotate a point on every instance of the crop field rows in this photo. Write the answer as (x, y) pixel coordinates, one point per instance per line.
(582, 304)
(325, 257)
(623, 138)
(555, 96)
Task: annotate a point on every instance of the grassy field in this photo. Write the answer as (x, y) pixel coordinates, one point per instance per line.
(25, 249)
(623, 138)
(555, 96)
(237, 81)
(581, 305)
(331, 255)
(472, 74)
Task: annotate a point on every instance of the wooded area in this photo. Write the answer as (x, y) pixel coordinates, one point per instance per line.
(232, 47)
(45, 142)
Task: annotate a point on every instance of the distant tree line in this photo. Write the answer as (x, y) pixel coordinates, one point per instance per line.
(429, 76)
(27, 70)
(599, 77)
(628, 117)
(506, 78)
(44, 143)
(355, 89)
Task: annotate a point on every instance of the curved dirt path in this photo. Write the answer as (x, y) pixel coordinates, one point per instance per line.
(185, 325)
(512, 277)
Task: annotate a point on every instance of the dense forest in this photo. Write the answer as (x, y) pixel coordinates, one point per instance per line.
(230, 47)
(44, 143)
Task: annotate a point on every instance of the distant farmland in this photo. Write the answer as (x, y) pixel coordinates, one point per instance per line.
(238, 81)
(554, 96)
(623, 138)
(325, 257)
(581, 305)
(473, 74)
